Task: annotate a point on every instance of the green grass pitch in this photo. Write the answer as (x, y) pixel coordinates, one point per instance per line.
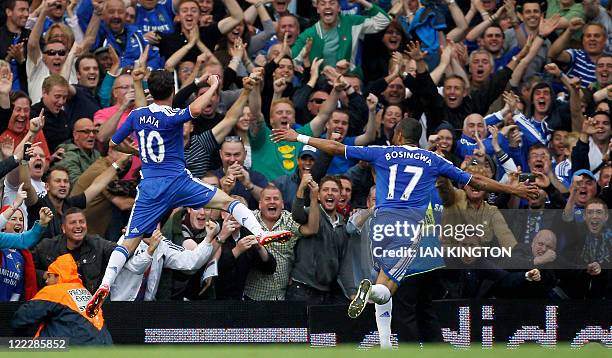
(563, 350)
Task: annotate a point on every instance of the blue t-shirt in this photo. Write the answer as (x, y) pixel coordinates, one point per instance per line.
(159, 130)
(505, 59)
(339, 164)
(11, 274)
(158, 19)
(406, 176)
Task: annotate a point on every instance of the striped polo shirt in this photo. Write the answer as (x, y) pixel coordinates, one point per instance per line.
(581, 66)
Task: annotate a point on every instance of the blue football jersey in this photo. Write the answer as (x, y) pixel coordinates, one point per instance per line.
(159, 19)
(406, 176)
(159, 130)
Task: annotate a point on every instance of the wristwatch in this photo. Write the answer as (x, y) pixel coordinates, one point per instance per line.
(116, 166)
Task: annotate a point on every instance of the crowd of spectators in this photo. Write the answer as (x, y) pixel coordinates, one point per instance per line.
(500, 88)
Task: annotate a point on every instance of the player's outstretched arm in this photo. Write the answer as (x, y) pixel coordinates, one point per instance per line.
(138, 74)
(197, 106)
(127, 147)
(326, 145)
(522, 190)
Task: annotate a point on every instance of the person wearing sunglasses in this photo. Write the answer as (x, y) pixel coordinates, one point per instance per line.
(42, 63)
(81, 153)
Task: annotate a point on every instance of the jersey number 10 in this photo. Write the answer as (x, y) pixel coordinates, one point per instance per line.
(417, 171)
(146, 147)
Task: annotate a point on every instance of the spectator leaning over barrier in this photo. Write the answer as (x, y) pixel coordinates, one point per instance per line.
(59, 308)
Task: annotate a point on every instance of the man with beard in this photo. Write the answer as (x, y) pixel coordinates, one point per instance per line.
(336, 129)
(591, 249)
(80, 154)
(271, 215)
(13, 39)
(323, 260)
(82, 100)
(288, 184)
(580, 63)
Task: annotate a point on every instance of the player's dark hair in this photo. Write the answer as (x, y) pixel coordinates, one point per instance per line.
(410, 129)
(161, 84)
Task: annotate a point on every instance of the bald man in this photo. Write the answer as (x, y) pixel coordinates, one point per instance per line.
(79, 154)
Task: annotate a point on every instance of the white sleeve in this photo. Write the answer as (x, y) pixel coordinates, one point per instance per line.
(73, 24)
(375, 23)
(177, 258)
(3, 222)
(30, 22)
(139, 262)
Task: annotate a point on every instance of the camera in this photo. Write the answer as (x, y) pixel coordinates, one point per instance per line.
(527, 177)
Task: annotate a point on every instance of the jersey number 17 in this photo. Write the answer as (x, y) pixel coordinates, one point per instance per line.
(417, 173)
